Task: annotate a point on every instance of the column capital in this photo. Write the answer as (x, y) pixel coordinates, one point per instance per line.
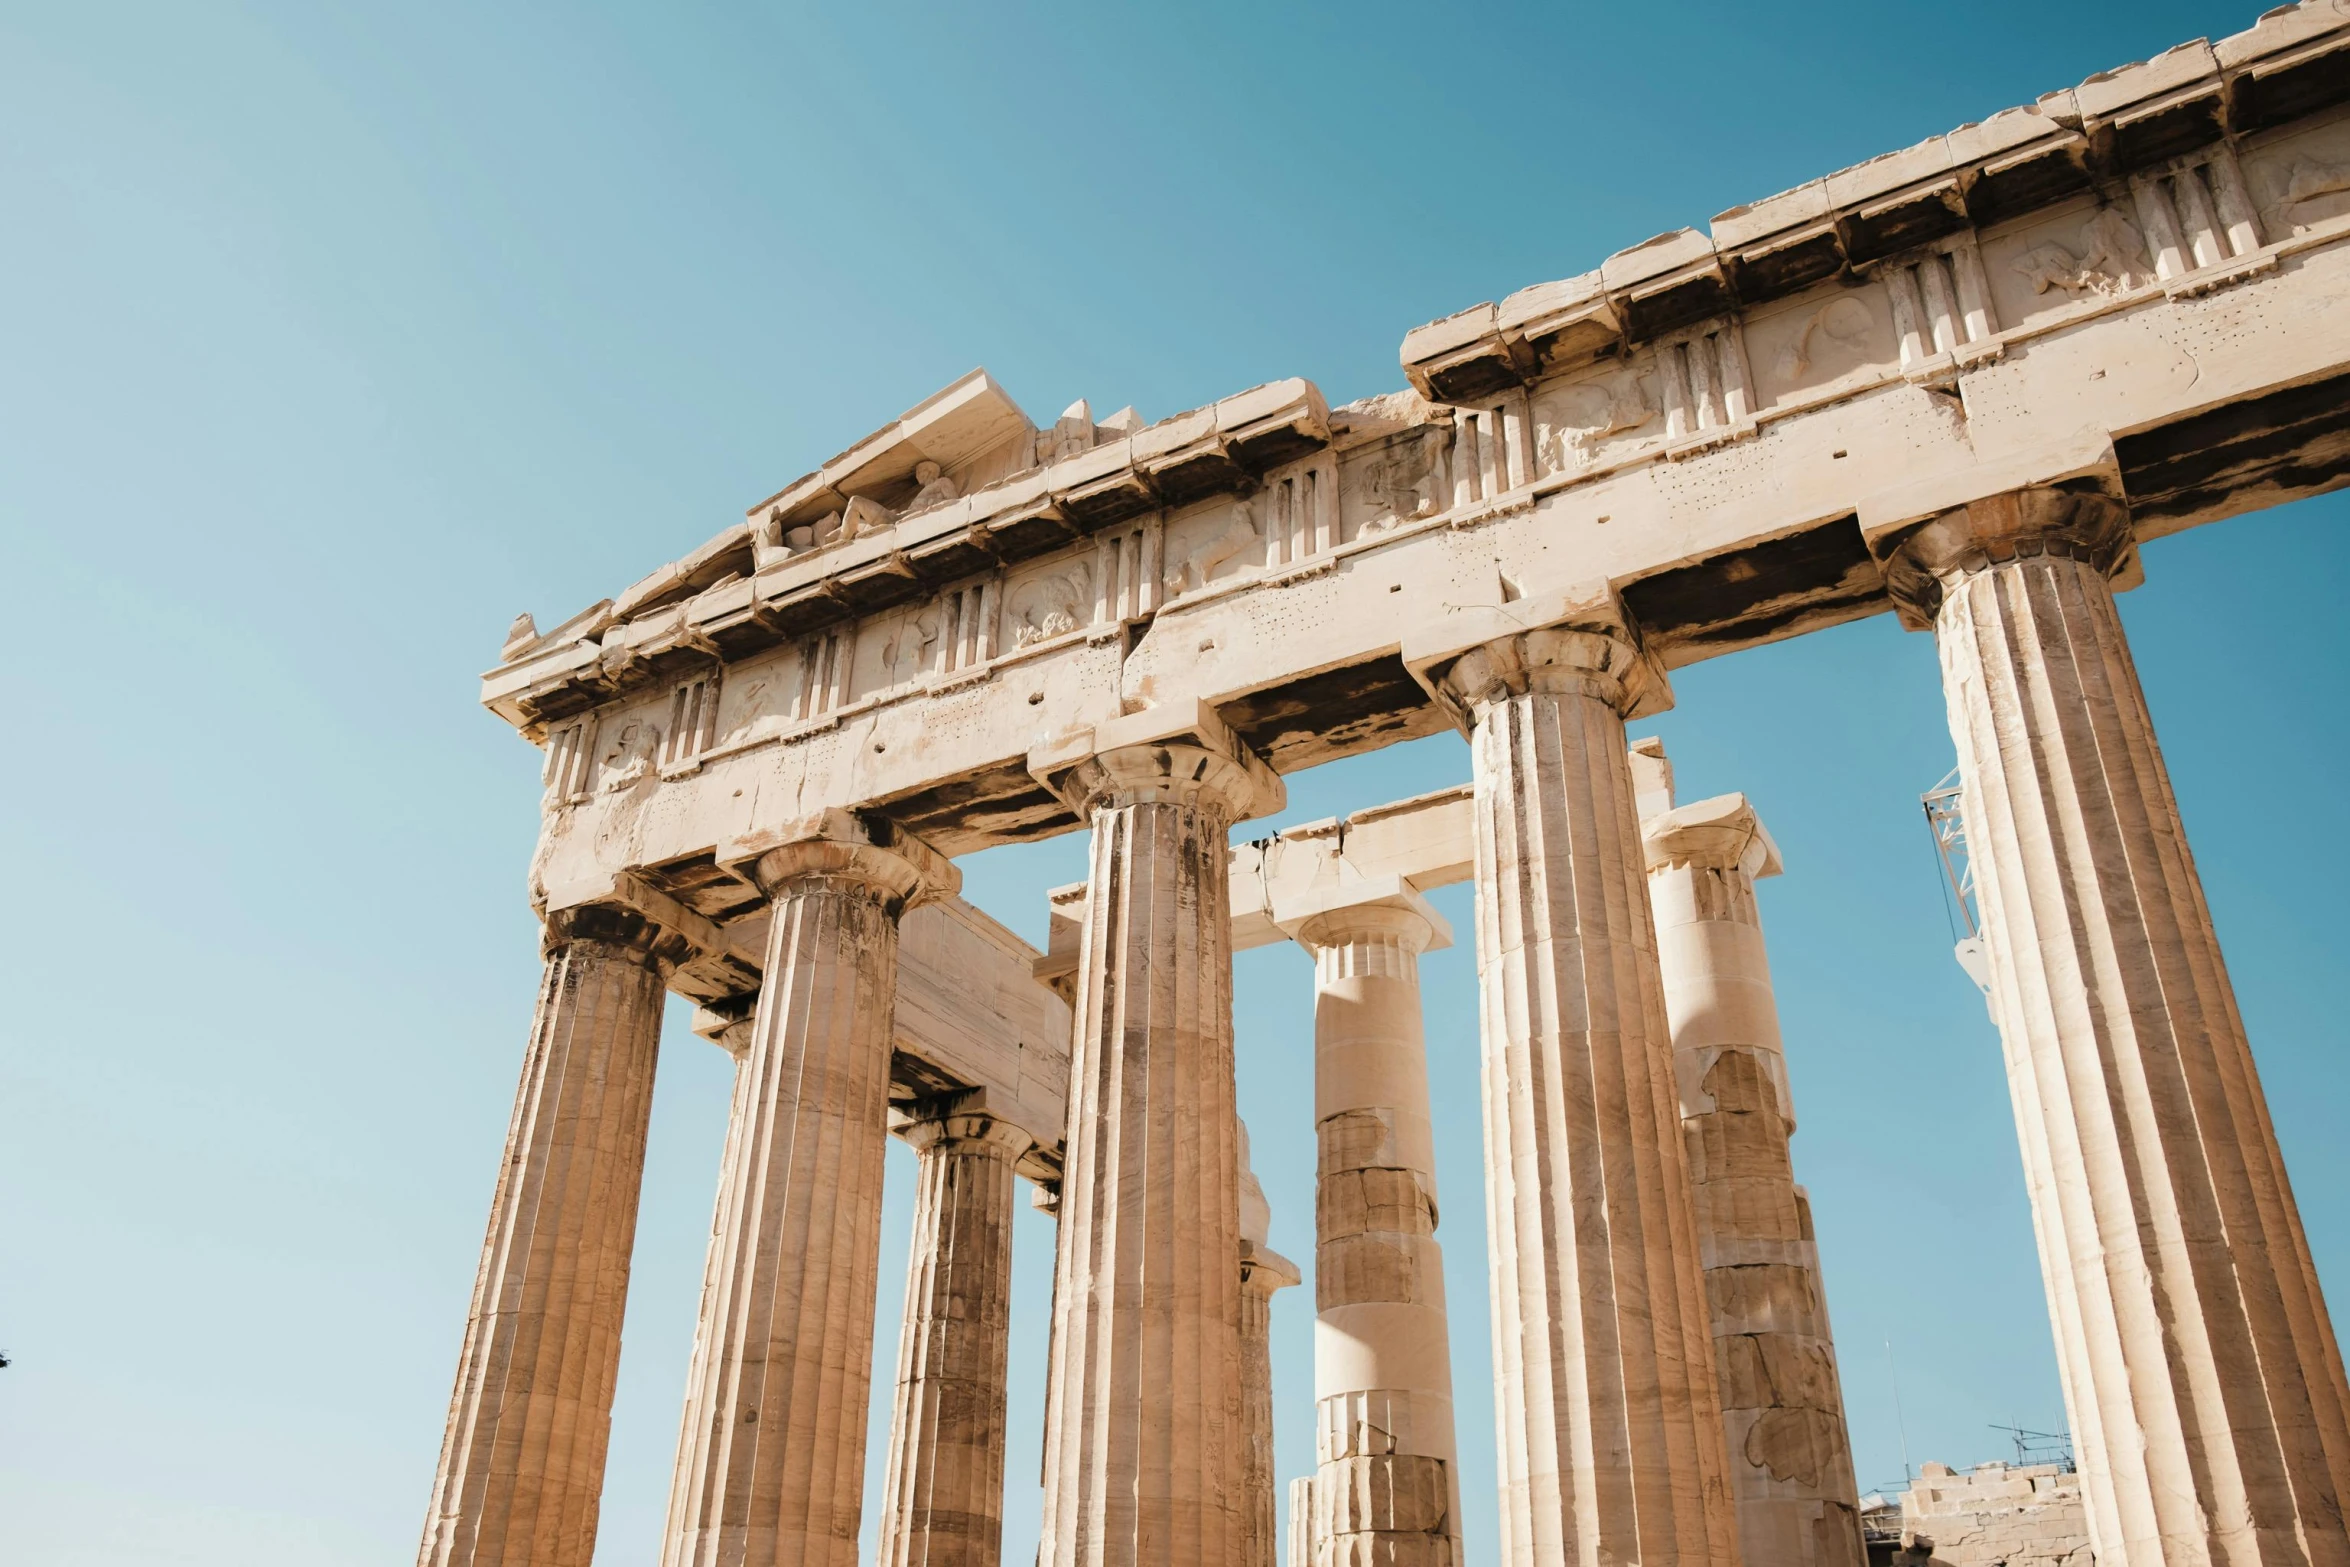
(1720, 834)
(1265, 1270)
(727, 1023)
(1921, 563)
(1180, 754)
(852, 846)
(616, 925)
(1331, 916)
(1582, 641)
(959, 1118)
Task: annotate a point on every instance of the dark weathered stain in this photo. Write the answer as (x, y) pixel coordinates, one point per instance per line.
(884, 584)
(2292, 441)
(1356, 708)
(1195, 475)
(998, 803)
(2037, 179)
(1110, 500)
(2163, 133)
(1471, 379)
(1760, 591)
(1764, 275)
(1676, 304)
(698, 883)
(1266, 449)
(2258, 99)
(1898, 225)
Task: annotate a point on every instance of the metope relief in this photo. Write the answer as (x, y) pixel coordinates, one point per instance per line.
(1392, 482)
(1206, 542)
(1821, 343)
(1579, 425)
(631, 750)
(2084, 256)
(1050, 603)
(2302, 181)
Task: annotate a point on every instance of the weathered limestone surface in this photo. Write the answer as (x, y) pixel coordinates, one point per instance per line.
(1995, 1515)
(2153, 259)
(944, 1496)
(970, 629)
(2201, 1371)
(771, 1471)
(1302, 1549)
(522, 1461)
(730, 1029)
(1782, 1402)
(1145, 1440)
(1610, 1419)
(1385, 1474)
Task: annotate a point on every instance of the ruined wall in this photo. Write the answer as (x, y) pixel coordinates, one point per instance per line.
(2019, 1516)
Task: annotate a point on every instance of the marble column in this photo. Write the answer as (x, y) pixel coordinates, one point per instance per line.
(1608, 1411)
(1385, 1471)
(522, 1460)
(771, 1470)
(944, 1496)
(1264, 1273)
(1782, 1403)
(2201, 1371)
(1145, 1441)
(1303, 1551)
(728, 1025)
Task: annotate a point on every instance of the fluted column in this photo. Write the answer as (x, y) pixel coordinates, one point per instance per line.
(728, 1026)
(1782, 1404)
(1385, 1471)
(1303, 1552)
(1144, 1440)
(944, 1497)
(1264, 1273)
(2201, 1371)
(1609, 1416)
(522, 1460)
(771, 1472)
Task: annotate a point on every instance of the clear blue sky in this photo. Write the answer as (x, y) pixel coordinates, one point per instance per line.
(331, 338)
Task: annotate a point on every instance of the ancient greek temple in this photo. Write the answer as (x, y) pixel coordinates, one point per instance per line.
(1960, 383)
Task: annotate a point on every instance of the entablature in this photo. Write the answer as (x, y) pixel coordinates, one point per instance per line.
(2116, 133)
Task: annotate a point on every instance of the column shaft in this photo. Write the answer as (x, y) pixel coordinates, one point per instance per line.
(1144, 1438)
(1385, 1476)
(1260, 1526)
(771, 1474)
(944, 1496)
(2201, 1371)
(522, 1462)
(1782, 1404)
(1609, 1415)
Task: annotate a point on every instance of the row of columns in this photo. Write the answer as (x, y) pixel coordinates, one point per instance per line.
(1668, 1393)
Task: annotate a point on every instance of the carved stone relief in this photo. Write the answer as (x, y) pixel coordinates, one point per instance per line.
(630, 750)
(1198, 547)
(2111, 259)
(1576, 424)
(912, 643)
(2302, 180)
(2083, 253)
(753, 697)
(1052, 603)
(1821, 341)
